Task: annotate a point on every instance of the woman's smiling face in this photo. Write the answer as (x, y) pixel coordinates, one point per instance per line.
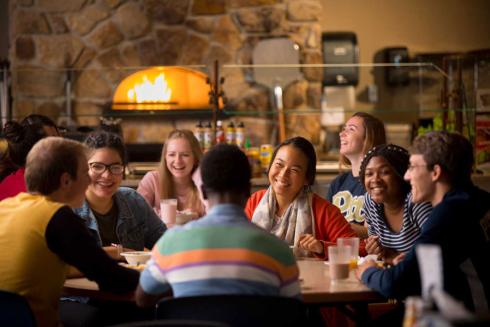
(352, 137)
(287, 174)
(381, 181)
(105, 184)
(179, 158)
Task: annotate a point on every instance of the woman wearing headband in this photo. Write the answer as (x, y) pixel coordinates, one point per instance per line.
(394, 222)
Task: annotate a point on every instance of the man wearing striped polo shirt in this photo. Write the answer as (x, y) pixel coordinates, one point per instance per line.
(221, 253)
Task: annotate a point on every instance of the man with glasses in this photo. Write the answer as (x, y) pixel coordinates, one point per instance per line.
(440, 172)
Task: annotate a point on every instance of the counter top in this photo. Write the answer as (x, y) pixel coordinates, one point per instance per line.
(320, 187)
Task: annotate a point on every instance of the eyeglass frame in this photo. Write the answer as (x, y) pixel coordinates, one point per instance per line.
(106, 168)
(412, 167)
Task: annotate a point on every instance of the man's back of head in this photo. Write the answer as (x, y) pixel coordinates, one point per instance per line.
(225, 170)
(49, 160)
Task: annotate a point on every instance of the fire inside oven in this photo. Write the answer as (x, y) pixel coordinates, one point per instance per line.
(163, 88)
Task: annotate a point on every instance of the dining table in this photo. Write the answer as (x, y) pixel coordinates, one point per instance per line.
(317, 288)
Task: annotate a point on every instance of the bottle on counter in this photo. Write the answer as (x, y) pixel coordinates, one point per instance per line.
(265, 155)
(253, 155)
(220, 132)
(208, 136)
(199, 134)
(230, 133)
(240, 135)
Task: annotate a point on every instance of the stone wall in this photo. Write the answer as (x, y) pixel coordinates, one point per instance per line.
(100, 39)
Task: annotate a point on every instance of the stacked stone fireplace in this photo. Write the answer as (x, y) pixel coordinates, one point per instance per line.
(100, 41)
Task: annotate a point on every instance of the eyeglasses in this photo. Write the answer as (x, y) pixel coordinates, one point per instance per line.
(412, 167)
(100, 168)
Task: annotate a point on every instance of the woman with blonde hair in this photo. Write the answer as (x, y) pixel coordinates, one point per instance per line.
(359, 134)
(176, 176)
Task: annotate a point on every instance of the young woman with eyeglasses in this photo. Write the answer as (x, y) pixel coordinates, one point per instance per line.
(114, 214)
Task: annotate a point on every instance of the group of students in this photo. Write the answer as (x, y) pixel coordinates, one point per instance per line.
(384, 199)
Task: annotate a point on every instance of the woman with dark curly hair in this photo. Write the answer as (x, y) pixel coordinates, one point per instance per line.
(20, 140)
(394, 222)
(114, 214)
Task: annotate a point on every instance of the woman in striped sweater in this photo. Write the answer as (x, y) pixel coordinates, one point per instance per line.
(394, 222)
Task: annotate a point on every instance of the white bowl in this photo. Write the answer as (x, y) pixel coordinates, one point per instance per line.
(136, 257)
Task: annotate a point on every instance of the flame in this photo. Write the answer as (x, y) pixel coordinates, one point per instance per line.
(148, 91)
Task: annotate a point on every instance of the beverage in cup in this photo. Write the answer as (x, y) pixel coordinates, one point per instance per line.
(338, 261)
(353, 242)
(168, 211)
(183, 217)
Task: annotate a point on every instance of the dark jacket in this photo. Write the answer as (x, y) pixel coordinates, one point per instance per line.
(460, 225)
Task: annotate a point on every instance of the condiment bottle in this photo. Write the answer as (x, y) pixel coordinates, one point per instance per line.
(230, 133)
(220, 132)
(240, 135)
(199, 134)
(208, 137)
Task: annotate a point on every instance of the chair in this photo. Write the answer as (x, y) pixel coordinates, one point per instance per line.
(15, 311)
(172, 323)
(235, 310)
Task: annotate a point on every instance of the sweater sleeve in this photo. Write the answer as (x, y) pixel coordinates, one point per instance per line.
(67, 236)
(253, 202)
(330, 223)
(396, 282)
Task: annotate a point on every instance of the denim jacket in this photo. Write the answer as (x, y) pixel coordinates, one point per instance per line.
(137, 224)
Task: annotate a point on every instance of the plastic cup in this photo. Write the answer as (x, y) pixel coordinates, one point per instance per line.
(338, 262)
(353, 242)
(168, 211)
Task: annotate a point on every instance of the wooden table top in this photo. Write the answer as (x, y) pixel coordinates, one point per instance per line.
(316, 287)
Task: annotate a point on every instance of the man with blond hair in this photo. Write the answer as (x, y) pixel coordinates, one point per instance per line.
(40, 235)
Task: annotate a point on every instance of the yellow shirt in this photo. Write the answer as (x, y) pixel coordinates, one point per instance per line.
(27, 266)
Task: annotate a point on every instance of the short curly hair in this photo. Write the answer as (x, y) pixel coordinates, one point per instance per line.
(396, 156)
(103, 139)
(225, 168)
(451, 151)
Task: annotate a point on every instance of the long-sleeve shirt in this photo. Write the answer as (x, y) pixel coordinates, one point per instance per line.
(329, 222)
(221, 253)
(38, 238)
(460, 226)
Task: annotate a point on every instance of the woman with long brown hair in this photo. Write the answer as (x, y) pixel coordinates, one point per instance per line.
(174, 178)
(359, 134)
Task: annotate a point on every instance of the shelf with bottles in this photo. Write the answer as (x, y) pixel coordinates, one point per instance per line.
(81, 97)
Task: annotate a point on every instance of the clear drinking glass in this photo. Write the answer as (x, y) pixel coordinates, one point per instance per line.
(168, 211)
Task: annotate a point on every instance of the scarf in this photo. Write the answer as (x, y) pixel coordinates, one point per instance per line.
(296, 220)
